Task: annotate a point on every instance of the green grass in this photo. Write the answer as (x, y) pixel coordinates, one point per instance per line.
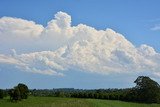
(69, 102)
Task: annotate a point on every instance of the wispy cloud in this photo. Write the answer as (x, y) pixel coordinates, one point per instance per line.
(156, 28)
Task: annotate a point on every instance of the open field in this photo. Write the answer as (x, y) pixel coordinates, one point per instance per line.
(70, 102)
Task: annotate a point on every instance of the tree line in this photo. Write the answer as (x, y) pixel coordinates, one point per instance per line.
(145, 91)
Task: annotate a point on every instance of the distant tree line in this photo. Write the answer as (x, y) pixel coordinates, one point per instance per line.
(145, 91)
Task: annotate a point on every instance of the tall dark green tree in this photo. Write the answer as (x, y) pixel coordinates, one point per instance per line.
(147, 89)
(19, 92)
(23, 90)
(16, 94)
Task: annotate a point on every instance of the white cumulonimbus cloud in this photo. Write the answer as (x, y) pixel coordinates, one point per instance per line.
(62, 47)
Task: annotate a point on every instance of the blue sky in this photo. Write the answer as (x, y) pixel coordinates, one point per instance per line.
(138, 21)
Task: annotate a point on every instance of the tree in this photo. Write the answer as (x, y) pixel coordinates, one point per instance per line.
(131, 95)
(23, 90)
(16, 94)
(19, 92)
(1, 94)
(147, 90)
(11, 94)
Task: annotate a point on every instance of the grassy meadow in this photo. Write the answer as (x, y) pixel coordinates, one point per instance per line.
(69, 102)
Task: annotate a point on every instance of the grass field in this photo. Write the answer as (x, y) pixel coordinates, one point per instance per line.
(70, 102)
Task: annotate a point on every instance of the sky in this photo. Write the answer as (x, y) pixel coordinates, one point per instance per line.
(86, 44)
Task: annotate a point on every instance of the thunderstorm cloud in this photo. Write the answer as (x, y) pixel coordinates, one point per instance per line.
(59, 47)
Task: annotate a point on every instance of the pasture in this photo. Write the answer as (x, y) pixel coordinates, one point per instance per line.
(69, 102)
